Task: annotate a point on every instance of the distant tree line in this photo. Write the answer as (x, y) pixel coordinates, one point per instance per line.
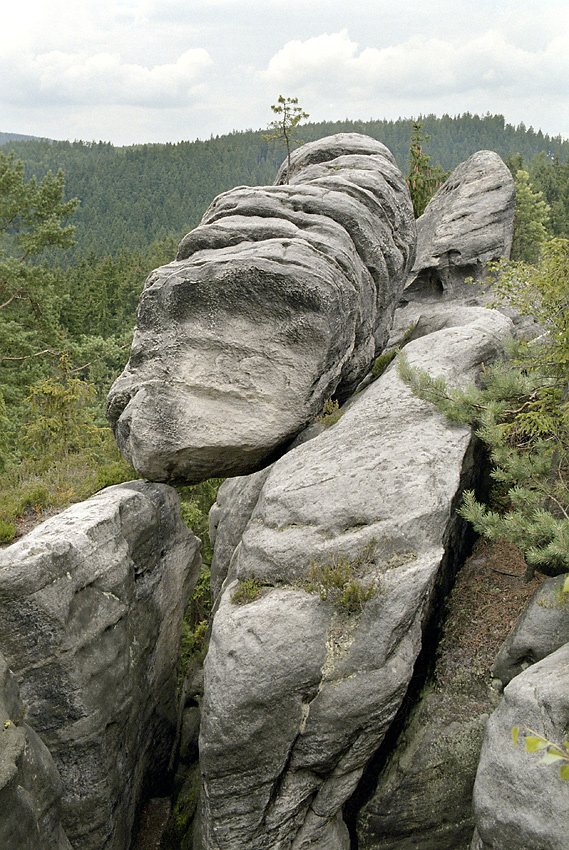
(132, 196)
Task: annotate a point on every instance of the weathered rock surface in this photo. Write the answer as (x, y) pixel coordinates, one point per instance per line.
(228, 519)
(91, 605)
(467, 224)
(424, 797)
(279, 299)
(30, 785)
(297, 694)
(542, 628)
(519, 803)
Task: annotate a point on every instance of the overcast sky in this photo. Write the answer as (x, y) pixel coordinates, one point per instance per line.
(132, 71)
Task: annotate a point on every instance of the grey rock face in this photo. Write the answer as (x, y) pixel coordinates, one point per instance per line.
(542, 628)
(30, 785)
(467, 224)
(519, 802)
(228, 518)
(278, 300)
(424, 797)
(297, 694)
(91, 605)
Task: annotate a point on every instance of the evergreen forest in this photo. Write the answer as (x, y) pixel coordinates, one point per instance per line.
(132, 196)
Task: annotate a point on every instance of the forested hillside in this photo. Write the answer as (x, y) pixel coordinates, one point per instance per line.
(134, 195)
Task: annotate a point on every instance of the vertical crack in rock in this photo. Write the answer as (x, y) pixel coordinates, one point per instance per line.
(390, 469)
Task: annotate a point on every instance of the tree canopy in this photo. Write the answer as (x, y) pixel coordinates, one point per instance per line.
(133, 196)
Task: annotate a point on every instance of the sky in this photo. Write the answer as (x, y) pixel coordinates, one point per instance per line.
(142, 71)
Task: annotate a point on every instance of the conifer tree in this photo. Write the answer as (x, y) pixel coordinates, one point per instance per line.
(522, 415)
(531, 220)
(423, 178)
(32, 219)
(290, 114)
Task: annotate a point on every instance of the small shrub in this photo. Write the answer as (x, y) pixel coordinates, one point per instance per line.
(331, 413)
(115, 472)
(382, 362)
(551, 753)
(248, 590)
(35, 496)
(337, 581)
(7, 531)
(195, 502)
(386, 357)
(193, 643)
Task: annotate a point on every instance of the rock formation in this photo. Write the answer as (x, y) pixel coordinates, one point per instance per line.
(30, 785)
(519, 802)
(467, 224)
(280, 299)
(542, 629)
(91, 606)
(298, 695)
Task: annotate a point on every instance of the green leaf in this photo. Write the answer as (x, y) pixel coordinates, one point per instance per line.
(550, 758)
(534, 744)
(515, 733)
(564, 771)
(566, 584)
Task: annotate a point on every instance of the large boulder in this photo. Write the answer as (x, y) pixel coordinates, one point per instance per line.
(298, 690)
(542, 628)
(518, 801)
(280, 299)
(91, 607)
(467, 224)
(30, 785)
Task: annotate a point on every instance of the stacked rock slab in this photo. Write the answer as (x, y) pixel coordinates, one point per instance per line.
(298, 694)
(280, 299)
(467, 224)
(91, 607)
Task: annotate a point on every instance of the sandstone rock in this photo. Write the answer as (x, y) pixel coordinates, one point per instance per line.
(298, 694)
(228, 518)
(424, 797)
(30, 785)
(230, 513)
(280, 299)
(91, 604)
(542, 628)
(467, 224)
(519, 802)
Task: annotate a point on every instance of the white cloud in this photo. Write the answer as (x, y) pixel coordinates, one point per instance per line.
(417, 67)
(144, 70)
(79, 78)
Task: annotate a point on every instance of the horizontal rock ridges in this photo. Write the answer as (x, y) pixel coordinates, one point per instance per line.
(280, 299)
